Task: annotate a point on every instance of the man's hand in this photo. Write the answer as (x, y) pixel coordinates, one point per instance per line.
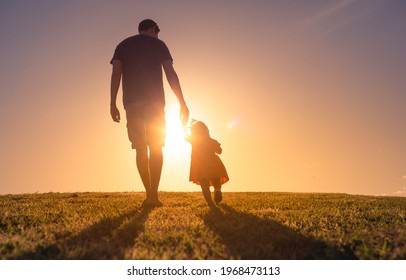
(115, 84)
(184, 115)
(115, 113)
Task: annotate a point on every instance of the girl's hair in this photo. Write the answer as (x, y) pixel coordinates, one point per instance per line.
(198, 130)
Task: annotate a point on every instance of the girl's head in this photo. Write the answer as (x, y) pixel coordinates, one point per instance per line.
(198, 130)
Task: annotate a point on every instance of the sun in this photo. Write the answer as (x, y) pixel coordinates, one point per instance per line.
(175, 142)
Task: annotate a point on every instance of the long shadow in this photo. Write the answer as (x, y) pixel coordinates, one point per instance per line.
(250, 237)
(106, 239)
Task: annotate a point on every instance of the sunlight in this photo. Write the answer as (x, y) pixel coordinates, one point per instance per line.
(177, 152)
(175, 143)
(232, 123)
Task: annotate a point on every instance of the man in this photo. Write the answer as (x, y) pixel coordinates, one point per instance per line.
(138, 62)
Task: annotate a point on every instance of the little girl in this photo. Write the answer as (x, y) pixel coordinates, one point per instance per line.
(206, 168)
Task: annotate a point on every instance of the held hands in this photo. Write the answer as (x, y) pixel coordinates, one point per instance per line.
(184, 115)
(115, 113)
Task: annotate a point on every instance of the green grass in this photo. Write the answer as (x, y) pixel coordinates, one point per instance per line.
(245, 226)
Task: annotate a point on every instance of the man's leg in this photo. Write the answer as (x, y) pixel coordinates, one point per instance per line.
(143, 169)
(155, 129)
(137, 137)
(155, 169)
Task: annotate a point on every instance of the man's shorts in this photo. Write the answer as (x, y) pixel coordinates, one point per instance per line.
(146, 125)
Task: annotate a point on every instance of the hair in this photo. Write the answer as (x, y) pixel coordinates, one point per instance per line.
(147, 24)
(199, 130)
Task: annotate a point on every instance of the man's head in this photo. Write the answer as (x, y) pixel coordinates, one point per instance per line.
(148, 27)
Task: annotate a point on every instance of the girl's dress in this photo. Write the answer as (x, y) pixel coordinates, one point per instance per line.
(205, 164)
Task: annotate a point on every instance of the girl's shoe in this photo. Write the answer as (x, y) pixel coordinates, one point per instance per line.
(218, 196)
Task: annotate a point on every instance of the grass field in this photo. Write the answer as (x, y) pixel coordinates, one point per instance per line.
(245, 226)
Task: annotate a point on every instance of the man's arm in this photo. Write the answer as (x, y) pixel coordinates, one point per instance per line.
(114, 86)
(173, 81)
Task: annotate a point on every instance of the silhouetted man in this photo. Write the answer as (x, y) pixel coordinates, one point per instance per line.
(138, 61)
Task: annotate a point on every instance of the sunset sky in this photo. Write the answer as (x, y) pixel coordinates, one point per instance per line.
(304, 96)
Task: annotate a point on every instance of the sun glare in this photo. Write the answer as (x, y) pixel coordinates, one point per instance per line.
(175, 143)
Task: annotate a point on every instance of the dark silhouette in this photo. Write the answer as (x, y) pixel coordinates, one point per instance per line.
(138, 61)
(265, 239)
(206, 168)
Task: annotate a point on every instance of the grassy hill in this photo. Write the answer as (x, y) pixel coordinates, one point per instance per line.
(245, 226)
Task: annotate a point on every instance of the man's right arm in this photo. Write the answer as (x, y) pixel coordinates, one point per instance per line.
(173, 81)
(114, 86)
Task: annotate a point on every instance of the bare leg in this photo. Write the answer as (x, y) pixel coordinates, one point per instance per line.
(205, 185)
(143, 169)
(155, 169)
(218, 196)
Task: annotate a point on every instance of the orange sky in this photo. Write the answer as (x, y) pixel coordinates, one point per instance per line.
(304, 97)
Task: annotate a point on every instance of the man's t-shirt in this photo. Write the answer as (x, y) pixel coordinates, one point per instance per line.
(141, 57)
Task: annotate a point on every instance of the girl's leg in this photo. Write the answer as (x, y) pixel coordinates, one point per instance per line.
(205, 185)
(218, 196)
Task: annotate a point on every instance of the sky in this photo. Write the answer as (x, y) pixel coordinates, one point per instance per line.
(304, 96)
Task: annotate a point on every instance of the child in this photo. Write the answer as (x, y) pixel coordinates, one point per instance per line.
(206, 168)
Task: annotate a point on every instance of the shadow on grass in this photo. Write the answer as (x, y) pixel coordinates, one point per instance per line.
(106, 239)
(250, 237)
